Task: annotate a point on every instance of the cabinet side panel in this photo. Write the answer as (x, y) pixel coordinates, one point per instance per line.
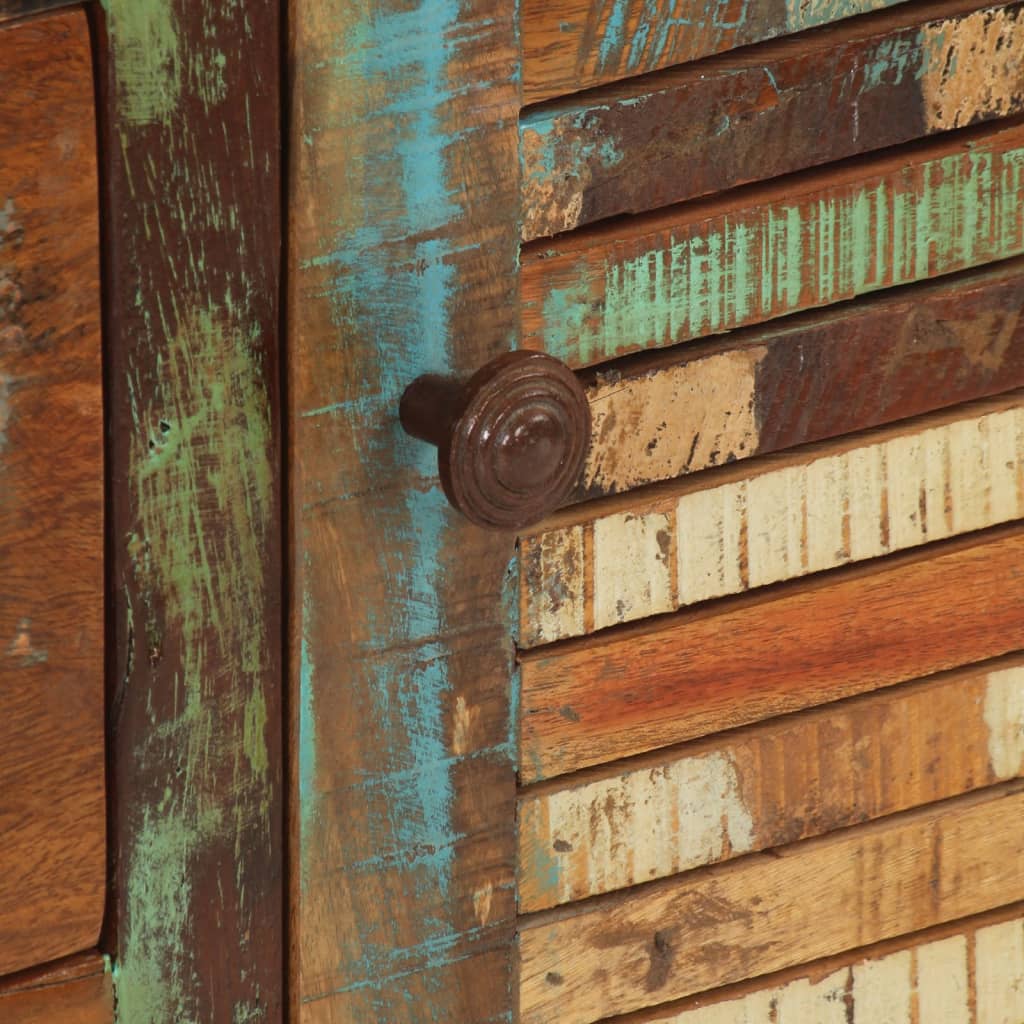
(403, 260)
(191, 138)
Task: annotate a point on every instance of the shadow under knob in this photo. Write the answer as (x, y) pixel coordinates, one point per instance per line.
(512, 440)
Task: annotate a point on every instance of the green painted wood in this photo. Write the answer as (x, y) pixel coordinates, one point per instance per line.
(797, 244)
(570, 45)
(191, 142)
(760, 113)
(403, 257)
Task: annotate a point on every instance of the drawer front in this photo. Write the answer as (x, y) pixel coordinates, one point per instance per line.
(52, 767)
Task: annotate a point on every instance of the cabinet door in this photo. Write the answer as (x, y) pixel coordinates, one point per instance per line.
(734, 735)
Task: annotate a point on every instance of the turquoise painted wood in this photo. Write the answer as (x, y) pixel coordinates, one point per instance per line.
(404, 248)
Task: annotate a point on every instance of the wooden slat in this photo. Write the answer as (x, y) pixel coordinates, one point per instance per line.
(887, 357)
(75, 992)
(578, 44)
(52, 766)
(774, 519)
(770, 784)
(192, 143)
(853, 631)
(689, 132)
(967, 972)
(403, 256)
(766, 912)
(798, 243)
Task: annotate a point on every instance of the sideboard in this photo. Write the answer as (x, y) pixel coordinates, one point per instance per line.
(512, 513)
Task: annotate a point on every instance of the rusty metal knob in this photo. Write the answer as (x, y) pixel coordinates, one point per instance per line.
(511, 441)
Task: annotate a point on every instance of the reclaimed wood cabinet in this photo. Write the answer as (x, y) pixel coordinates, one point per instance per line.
(680, 679)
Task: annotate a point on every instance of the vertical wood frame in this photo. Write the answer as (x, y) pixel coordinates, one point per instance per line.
(191, 141)
(403, 255)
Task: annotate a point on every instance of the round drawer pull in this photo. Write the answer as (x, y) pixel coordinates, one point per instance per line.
(511, 441)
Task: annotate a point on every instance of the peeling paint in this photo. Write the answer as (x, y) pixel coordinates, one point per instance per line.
(1004, 716)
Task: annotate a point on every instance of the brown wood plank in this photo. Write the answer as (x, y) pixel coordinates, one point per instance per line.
(766, 251)
(969, 971)
(578, 44)
(815, 375)
(688, 132)
(192, 142)
(749, 658)
(79, 992)
(404, 248)
(765, 912)
(778, 518)
(52, 808)
(770, 784)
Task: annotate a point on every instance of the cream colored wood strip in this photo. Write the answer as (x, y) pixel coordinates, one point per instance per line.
(775, 519)
(763, 913)
(771, 784)
(969, 978)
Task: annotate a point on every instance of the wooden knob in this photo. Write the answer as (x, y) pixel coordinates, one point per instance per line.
(511, 441)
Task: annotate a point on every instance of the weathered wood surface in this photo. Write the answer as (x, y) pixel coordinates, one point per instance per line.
(820, 374)
(578, 44)
(765, 912)
(10, 9)
(404, 246)
(79, 991)
(778, 518)
(968, 972)
(794, 244)
(771, 784)
(761, 113)
(748, 658)
(192, 141)
(52, 766)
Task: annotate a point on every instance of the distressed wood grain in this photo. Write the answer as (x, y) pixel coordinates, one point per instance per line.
(191, 139)
(52, 764)
(967, 972)
(404, 246)
(708, 127)
(748, 658)
(766, 912)
(815, 375)
(771, 784)
(77, 991)
(570, 45)
(777, 518)
(797, 243)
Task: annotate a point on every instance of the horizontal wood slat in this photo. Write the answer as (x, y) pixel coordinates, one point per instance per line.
(770, 784)
(758, 114)
(765, 912)
(859, 629)
(774, 519)
(53, 865)
(814, 375)
(763, 252)
(77, 991)
(967, 972)
(578, 44)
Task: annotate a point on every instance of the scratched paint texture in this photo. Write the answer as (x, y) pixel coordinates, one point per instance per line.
(703, 129)
(191, 141)
(780, 518)
(577, 44)
(817, 241)
(404, 252)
